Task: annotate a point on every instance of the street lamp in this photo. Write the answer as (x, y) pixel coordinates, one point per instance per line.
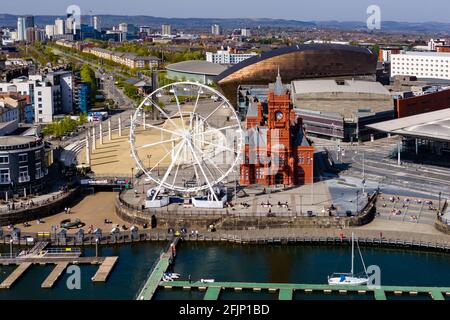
(11, 247)
(440, 194)
(357, 201)
(149, 156)
(363, 172)
(96, 247)
(312, 180)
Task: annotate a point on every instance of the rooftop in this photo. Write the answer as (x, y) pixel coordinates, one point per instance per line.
(198, 67)
(426, 53)
(333, 86)
(434, 125)
(6, 141)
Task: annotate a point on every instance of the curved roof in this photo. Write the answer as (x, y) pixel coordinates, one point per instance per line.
(197, 67)
(291, 49)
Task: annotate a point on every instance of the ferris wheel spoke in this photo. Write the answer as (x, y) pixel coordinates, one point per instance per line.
(215, 130)
(214, 144)
(196, 101)
(176, 174)
(179, 107)
(207, 158)
(215, 110)
(169, 169)
(157, 143)
(159, 128)
(163, 112)
(160, 160)
(191, 118)
(203, 171)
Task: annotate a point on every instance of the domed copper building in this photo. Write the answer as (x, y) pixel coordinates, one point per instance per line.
(299, 62)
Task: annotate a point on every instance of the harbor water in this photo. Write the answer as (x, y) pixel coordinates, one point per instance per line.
(310, 264)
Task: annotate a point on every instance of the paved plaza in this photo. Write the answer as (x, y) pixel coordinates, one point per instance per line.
(92, 210)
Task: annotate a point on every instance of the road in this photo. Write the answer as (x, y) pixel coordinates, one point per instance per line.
(371, 161)
(126, 108)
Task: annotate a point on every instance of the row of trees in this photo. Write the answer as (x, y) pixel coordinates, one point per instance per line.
(88, 75)
(64, 126)
(40, 53)
(160, 52)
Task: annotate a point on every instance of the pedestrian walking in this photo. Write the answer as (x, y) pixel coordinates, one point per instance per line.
(189, 278)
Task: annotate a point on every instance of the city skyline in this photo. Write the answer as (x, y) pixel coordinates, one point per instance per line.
(320, 10)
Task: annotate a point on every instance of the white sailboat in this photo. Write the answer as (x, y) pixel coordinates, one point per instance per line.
(350, 278)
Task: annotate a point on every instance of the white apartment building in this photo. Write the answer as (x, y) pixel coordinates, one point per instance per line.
(246, 32)
(60, 26)
(166, 30)
(433, 65)
(49, 30)
(46, 102)
(216, 29)
(227, 57)
(433, 43)
(50, 95)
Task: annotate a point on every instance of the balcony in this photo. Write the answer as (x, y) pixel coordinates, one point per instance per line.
(39, 175)
(5, 181)
(24, 178)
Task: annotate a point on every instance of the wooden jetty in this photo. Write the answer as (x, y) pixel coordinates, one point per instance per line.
(55, 274)
(61, 262)
(105, 269)
(15, 275)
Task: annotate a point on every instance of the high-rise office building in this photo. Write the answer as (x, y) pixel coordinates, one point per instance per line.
(50, 30)
(166, 29)
(97, 25)
(59, 26)
(23, 23)
(216, 29)
(70, 25)
(21, 29)
(123, 27)
(246, 32)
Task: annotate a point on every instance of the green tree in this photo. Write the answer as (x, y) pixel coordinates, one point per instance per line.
(88, 75)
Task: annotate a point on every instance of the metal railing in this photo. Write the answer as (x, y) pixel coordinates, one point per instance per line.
(32, 204)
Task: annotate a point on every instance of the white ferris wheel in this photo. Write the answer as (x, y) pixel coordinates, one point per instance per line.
(191, 137)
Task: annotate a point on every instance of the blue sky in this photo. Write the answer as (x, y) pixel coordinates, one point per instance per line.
(354, 10)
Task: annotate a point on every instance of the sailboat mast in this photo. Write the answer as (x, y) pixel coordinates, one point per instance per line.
(353, 253)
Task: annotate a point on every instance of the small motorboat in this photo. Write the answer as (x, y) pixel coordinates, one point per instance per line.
(166, 278)
(172, 275)
(206, 280)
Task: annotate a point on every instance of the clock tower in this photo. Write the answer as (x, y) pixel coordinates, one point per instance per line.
(279, 139)
(279, 106)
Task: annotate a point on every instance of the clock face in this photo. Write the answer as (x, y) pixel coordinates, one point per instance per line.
(279, 115)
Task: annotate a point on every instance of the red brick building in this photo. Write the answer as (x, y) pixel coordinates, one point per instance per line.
(277, 151)
(424, 103)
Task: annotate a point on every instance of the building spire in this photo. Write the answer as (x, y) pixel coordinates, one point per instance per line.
(278, 90)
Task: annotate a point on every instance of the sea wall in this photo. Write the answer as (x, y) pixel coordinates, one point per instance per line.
(53, 206)
(231, 221)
